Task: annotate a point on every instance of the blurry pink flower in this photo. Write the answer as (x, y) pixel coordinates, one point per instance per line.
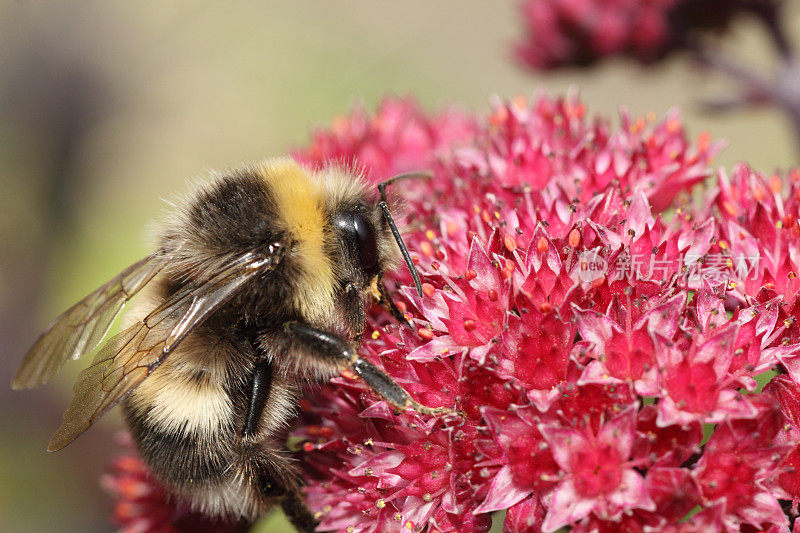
(563, 33)
(577, 32)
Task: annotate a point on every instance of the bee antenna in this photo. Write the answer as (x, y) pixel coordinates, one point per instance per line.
(392, 226)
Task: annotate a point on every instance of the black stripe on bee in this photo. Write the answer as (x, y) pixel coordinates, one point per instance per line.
(178, 458)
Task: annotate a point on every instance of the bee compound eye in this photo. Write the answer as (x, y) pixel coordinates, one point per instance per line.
(367, 246)
(359, 232)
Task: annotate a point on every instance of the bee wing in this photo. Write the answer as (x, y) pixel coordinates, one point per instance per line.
(79, 329)
(130, 356)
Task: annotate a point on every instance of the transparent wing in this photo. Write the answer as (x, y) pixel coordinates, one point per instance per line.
(79, 329)
(130, 356)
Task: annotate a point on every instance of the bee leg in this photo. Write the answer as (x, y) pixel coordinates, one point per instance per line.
(259, 393)
(328, 346)
(292, 504)
(298, 514)
(353, 308)
(279, 484)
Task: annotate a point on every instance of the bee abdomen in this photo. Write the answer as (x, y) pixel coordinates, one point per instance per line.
(178, 459)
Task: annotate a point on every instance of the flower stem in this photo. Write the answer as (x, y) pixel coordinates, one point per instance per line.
(771, 15)
(782, 92)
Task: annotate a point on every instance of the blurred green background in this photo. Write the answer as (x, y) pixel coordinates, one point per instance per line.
(108, 107)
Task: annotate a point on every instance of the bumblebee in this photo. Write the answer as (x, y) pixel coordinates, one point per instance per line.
(258, 286)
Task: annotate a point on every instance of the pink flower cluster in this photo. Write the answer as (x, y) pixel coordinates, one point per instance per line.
(579, 32)
(589, 394)
(590, 398)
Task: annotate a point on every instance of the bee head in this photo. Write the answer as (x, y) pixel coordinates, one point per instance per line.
(366, 229)
(358, 234)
